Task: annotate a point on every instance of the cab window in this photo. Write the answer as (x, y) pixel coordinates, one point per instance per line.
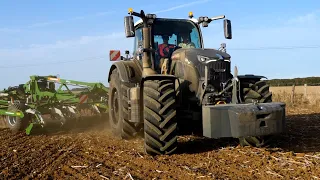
(176, 30)
(172, 39)
(137, 40)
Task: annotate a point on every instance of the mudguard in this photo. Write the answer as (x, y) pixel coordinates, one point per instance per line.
(158, 77)
(129, 71)
(250, 76)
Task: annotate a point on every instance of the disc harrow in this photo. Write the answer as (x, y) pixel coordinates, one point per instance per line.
(47, 100)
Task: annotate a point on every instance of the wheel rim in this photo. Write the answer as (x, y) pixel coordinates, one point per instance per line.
(115, 107)
(12, 120)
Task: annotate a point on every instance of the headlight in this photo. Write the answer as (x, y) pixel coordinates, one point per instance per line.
(203, 58)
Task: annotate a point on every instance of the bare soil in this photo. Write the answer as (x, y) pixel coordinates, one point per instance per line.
(91, 152)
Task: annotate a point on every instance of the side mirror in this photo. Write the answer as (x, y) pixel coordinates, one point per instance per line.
(129, 26)
(227, 29)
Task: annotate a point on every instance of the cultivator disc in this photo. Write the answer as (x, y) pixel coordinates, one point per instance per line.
(58, 115)
(70, 112)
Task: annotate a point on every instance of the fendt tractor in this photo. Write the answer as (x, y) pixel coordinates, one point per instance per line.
(181, 87)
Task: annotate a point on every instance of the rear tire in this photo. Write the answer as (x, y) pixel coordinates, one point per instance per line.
(17, 124)
(118, 112)
(160, 122)
(255, 91)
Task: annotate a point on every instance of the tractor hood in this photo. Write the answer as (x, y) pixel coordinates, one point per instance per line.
(199, 56)
(189, 64)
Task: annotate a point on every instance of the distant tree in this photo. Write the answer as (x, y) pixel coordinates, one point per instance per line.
(311, 81)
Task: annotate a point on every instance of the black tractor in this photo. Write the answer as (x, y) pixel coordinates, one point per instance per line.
(173, 85)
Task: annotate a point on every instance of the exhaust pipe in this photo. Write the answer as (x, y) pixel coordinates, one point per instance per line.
(146, 59)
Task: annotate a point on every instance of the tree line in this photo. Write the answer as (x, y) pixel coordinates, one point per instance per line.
(310, 81)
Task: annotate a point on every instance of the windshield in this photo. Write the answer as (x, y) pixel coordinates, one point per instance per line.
(176, 32)
(182, 33)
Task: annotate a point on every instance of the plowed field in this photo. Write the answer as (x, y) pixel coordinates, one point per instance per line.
(93, 153)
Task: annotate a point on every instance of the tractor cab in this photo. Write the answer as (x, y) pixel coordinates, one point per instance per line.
(166, 35)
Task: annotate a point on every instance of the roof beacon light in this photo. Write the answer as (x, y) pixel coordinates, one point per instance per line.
(190, 14)
(130, 10)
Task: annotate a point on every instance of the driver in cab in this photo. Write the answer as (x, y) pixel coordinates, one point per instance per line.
(186, 43)
(163, 50)
(164, 47)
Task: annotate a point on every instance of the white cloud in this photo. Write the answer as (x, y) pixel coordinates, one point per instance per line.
(90, 56)
(48, 23)
(311, 17)
(83, 40)
(42, 24)
(59, 49)
(9, 30)
(305, 19)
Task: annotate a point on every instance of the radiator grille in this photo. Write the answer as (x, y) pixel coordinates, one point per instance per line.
(221, 70)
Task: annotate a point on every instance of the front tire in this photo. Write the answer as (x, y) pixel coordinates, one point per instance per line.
(255, 91)
(160, 122)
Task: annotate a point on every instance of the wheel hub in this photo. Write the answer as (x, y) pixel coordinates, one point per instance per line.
(115, 107)
(12, 120)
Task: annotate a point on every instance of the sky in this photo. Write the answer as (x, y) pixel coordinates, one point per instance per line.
(277, 39)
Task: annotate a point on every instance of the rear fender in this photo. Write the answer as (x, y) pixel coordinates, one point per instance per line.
(123, 74)
(129, 71)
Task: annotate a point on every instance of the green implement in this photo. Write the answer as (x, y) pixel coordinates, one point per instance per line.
(8, 113)
(4, 110)
(50, 95)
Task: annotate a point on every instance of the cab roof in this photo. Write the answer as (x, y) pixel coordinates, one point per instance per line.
(192, 19)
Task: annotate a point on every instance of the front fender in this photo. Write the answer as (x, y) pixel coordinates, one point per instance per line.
(250, 76)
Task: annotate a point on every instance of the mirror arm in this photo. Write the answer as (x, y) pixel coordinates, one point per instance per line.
(142, 16)
(217, 17)
(210, 20)
(135, 14)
